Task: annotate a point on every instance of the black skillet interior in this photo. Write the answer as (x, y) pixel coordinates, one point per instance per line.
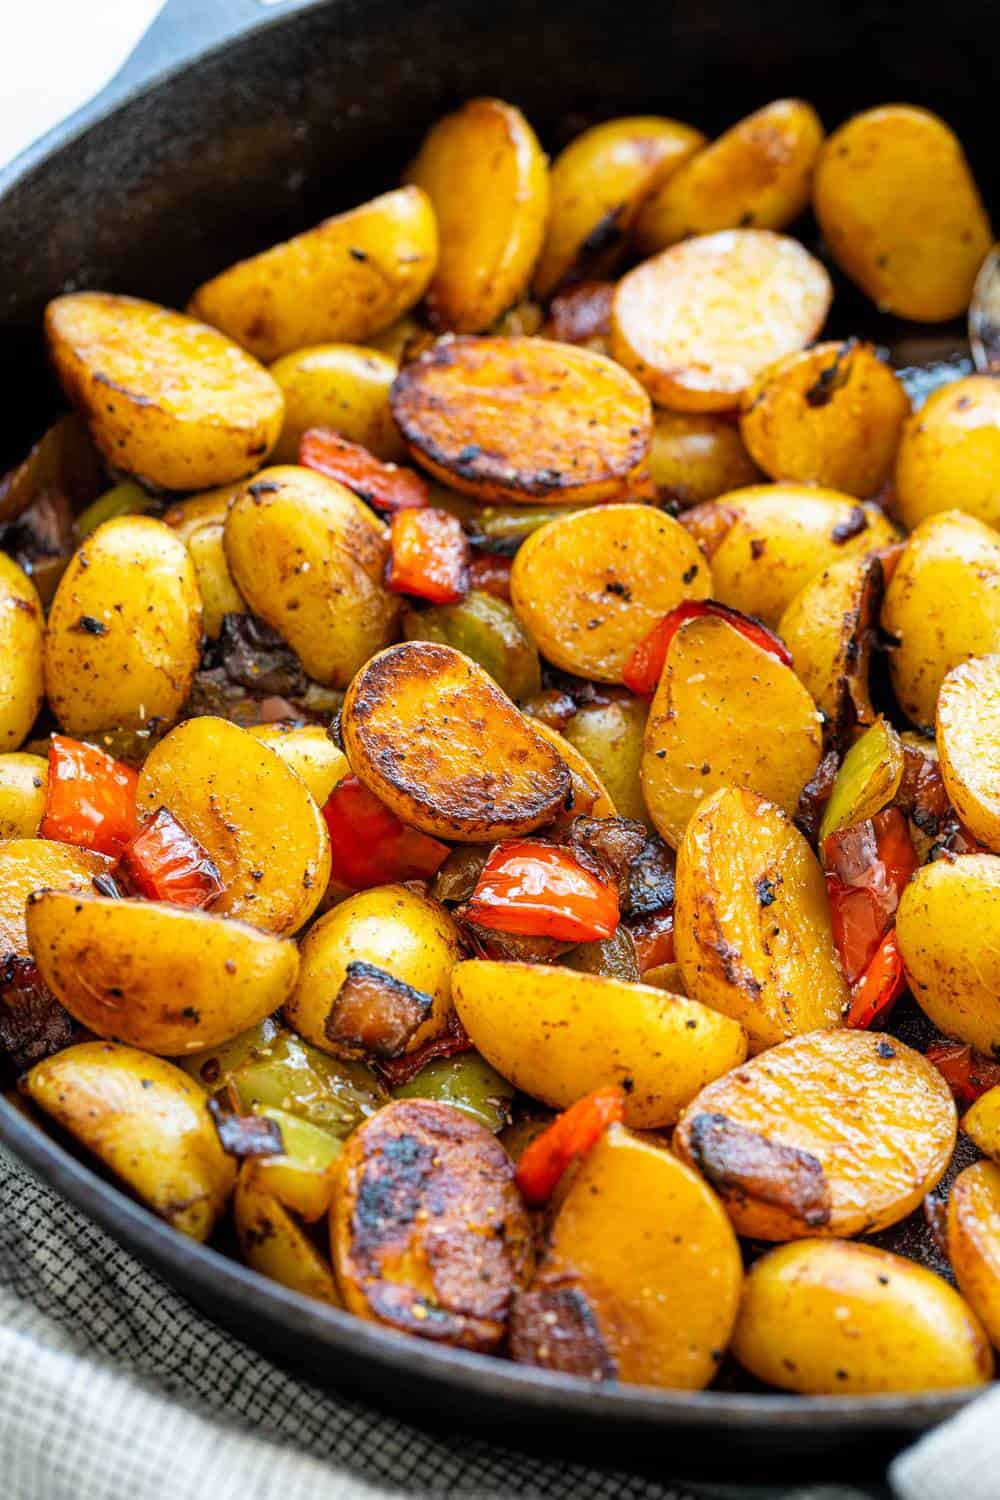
(308, 109)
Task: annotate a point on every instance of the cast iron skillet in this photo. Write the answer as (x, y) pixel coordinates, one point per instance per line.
(201, 152)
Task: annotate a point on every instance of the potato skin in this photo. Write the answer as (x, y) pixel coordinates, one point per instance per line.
(21, 627)
(974, 1241)
(697, 456)
(147, 1122)
(309, 751)
(124, 631)
(949, 458)
(165, 398)
(826, 1317)
(609, 734)
(968, 742)
(343, 386)
(829, 627)
(349, 277)
(900, 211)
(308, 557)
(33, 864)
(274, 1245)
(23, 780)
(948, 928)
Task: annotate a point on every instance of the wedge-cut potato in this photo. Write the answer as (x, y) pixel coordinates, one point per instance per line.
(590, 795)
(23, 779)
(640, 1276)
(147, 1122)
(342, 386)
(165, 978)
(825, 1317)
(429, 732)
(487, 179)
(900, 211)
(974, 1241)
(759, 174)
(429, 1233)
(308, 556)
(830, 415)
(524, 420)
(722, 705)
(21, 681)
(950, 557)
(949, 458)
(309, 751)
(165, 398)
(981, 1122)
(598, 183)
(968, 742)
(698, 322)
(609, 733)
(559, 1033)
(250, 812)
(346, 279)
(830, 628)
(948, 928)
(273, 1244)
(28, 865)
(589, 587)
(697, 456)
(832, 1133)
(752, 922)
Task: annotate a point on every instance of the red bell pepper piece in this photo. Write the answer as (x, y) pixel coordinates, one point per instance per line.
(880, 986)
(166, 863)
(490, 573)
(540, 890)
(644, 667)
(370, 845)
(89, 799)
(429, 556)
(385, 486)
(571, 1135)
(966, 1072)
(867, 868)
(454, 1040)
(654, 938)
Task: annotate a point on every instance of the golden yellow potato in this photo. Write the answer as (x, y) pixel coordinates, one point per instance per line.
(968, 742)
(942, 605)
(275, 1246)
(597, 185)
(974, 1241)
(308, 556)
(250, 812)
(643, 1257)
(310, 752)
(829, 627)
(948, 928)
(559, 1033)
(609, 733)
(900, 211)
(147, 1122)
(981, 1122)
(830, 1133)
(697, 456)
(23, 779)
(31, 864)
(830, 415)
(759, 174)
(169, 979)
(722, 705)
(165, 398)
(343, 386)
(430, 733)
(346, 279)
(590, 795)
(124, 632)
(949, 458)
(219, 594)
(187, 516)
(698, 322)
(589, 587)
(826, 1317)
(21, 627)
(488, 181)
(752, 922)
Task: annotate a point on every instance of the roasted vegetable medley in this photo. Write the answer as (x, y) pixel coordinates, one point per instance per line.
(500, 755)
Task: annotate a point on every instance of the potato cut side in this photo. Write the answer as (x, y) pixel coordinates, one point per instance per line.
(30, 864)
(831, 1133)
(147, 1122)
(430, 733)
(697, 456)
(722, 705)
(22, 624)
(524, 420)
(700, 321)
(640, 1276)
(948, 927)
(165, 398)
(981, 1123)
(589, 587)
(949, 458)
(830, 628)
(347, 278)
(309, 751)
(968, 742)
(974, 1241)
(557, 1034)
(276, 1246)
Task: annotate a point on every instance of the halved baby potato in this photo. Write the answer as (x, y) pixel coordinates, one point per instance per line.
(147, 1122)
(23, 779)
(177, 404)
(609, 733)
(973, 1230)
(948, 928)
(22, 623)
(968, 742)
(830, 628)
(697, 456)
(430, 733)
(341, 386)
(981, 1123)
(30, 864)
(949, 458)
(276, 1246)
(830, 1133)
(309, 751)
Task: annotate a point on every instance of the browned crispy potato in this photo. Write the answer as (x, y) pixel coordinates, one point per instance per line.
(21, 626)
(346, 279)
(609, 733)
(524, 420)
(273, 1244)
(831, 1133)
(752, 922)
(981, 1123)
(165, 398)
(722, 704)
(310, 752)
(343, 386)
(974, 1241)
(758, 174)
(308, 557)
(698, 322)
(949, 458)
(487, 178)
(23, 780)
(829, 627)
(948, 927)
(430, 733)
(590, 795)
(968, 742)
(597, 186)
(589, 587)
(826, 1317)
(900, 211)
(830, 415)
(428, 1231)
(640, 1277)
(147, 1122)
(28, 865)
(697, 456)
